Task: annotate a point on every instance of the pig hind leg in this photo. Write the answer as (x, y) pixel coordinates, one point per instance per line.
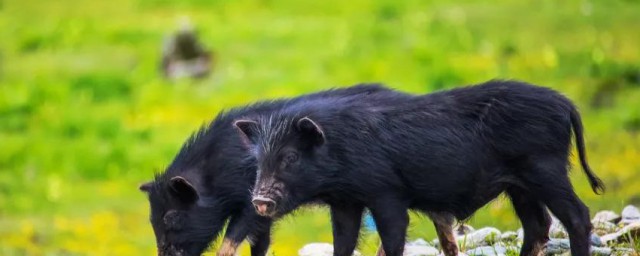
(535, 221)
(444, 228)
(549, 181)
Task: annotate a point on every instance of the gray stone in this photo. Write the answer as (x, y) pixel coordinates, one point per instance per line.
(606, 216)
(483, 236)
(557, 246)
(420, 250)
(488, 251)
(601, 251)
(319, 249)
(630, 214)
(595, 240)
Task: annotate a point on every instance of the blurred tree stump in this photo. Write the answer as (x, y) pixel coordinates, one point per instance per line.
(184, 56)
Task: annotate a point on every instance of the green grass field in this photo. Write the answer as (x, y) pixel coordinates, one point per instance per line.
(85, 116)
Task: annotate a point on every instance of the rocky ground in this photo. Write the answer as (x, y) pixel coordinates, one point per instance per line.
(613, 234)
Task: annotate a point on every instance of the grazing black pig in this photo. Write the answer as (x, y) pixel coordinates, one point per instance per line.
(448, 152)
(209, 182)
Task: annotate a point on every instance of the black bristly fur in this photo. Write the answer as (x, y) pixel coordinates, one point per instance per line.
(450, 152)
(214, 164)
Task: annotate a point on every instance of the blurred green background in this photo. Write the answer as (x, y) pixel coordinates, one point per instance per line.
(85, 116)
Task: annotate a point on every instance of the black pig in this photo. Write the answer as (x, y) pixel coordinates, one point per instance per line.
(448, 152)
(209, 182)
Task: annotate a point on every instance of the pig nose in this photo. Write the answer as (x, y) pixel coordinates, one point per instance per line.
(264, 206)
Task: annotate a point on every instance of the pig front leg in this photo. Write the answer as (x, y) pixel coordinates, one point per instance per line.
(444, 228)
(261, 238)
(346, 221)
(247, 225)
(392, 218)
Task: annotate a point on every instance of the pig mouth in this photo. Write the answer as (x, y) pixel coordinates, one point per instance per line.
(171, 251)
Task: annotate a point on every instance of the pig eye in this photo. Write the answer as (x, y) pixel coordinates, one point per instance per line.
(290, 157)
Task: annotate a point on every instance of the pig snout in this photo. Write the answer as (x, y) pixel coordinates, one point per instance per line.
(264, 206)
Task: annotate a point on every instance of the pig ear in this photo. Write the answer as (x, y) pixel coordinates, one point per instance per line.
(183, 189)
(146, 187)
(311, 131)
(247, 129)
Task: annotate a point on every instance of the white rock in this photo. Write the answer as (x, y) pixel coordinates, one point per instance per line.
(463, 229)
(418, 241)
(609, 237)
(630, 214)
(520, 234)
(606, 216)
(319, 249)
(623, 251)
(420, 250)
(623, 234)
(604, 227)
(316, 249)
(488, 251)
(557, 230)
(509, 236)
(483, 236)
(436, 242)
